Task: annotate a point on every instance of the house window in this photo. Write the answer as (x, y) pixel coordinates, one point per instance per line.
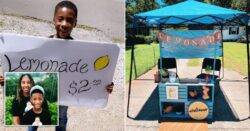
(233, 30)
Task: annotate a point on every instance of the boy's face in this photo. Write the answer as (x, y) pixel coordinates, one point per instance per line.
(36, 100)
(64, 21)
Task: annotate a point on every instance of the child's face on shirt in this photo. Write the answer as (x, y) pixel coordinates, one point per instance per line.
(64, 21)
(37, 100)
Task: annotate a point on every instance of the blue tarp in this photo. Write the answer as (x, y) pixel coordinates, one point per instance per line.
(189, 12)
(190, 43)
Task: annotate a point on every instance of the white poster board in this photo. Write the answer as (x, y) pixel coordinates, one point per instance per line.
(85, 68)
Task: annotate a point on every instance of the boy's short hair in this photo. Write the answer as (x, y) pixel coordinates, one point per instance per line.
(67, 4)
(36, 89)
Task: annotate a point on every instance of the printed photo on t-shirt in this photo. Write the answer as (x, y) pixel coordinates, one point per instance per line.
(31, 98)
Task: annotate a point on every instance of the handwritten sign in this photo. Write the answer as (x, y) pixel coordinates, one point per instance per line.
(190, 43)
(85, 68)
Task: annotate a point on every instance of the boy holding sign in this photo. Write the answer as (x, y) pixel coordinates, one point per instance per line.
(65, 19)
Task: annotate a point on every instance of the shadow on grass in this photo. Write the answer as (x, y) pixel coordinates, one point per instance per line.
(150, 110)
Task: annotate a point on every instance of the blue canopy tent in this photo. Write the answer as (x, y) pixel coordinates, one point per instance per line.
(186, 13)
(191, 12)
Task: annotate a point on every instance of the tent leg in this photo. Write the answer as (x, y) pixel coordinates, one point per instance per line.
(130, 78)
(135, 65)
(221, 30)
(248, 65)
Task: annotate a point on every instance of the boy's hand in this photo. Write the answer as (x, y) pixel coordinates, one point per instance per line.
(109, 88)
(1, 80)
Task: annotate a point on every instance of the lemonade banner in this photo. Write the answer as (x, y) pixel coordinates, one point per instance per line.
(85, 68)
(190, 43)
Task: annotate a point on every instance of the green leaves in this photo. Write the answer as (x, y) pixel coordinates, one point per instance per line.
(8, 110)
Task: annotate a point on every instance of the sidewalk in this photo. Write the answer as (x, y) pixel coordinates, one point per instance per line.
(143, 104)
(231, 101)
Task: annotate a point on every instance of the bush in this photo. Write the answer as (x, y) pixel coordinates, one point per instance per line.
(140, 39)
(149, 39)
(8, 110)
(53, 108)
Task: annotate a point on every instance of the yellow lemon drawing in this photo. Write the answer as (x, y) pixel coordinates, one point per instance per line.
(101, 62)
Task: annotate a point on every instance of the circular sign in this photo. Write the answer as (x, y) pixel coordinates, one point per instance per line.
(198, 110)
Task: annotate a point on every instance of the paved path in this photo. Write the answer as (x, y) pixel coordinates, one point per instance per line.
(231, 101)
(144, 104)
(183, 126)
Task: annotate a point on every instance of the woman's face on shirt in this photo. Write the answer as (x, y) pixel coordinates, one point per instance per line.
(25, 84)
(36, 100)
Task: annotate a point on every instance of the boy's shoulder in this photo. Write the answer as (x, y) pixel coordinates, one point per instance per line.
(52, 36)
(30, 113)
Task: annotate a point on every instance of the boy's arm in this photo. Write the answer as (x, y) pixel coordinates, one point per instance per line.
(109, 87)
(1, 80)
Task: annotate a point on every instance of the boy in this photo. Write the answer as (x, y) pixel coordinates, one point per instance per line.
(37, 115)
(65, 19)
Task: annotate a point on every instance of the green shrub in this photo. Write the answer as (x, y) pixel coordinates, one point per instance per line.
(8, 110)
(53, 108)
(149, 39)
(138, 39)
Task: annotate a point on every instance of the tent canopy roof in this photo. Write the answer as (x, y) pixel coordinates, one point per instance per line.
(190, 12)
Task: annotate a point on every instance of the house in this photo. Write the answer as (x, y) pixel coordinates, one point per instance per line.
(233, 32)
(230, 33)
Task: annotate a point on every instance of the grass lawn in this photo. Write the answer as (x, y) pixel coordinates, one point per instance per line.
(235, 57)
(146, 57)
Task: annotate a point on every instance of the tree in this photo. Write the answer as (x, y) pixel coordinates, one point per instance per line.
(235, 4)
(222, 3)
(171, 2)
(50, 85)
(11, 86)
(136, 6)
(239, 5)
